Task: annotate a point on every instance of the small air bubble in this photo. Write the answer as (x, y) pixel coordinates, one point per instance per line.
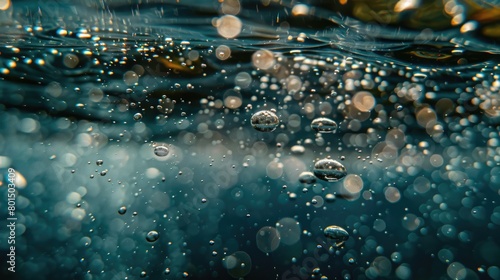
(137, 116)
(122, 210)
(161, 150)
(152, 236)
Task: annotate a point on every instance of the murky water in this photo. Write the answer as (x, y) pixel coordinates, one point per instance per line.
(329, 139)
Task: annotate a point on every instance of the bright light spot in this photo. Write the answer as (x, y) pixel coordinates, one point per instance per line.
(404, 5)
(300, 10)
(5, 4)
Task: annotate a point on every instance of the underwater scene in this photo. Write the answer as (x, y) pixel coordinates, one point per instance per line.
(250, 139)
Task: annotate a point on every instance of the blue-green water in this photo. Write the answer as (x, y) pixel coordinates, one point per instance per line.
(128, 128)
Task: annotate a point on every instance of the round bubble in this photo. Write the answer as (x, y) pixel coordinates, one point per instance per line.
(238, 264)
(161, 150)
(289, 230)
(324, 125)
(268, 239)
(152, 236)
(329, 170)
(337, 234)
(265, 121)
(307, 177)
(137, 116)
(122, 210)
(263, 59)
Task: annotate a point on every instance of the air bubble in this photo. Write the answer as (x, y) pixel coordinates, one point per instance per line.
(337, 234)
(329, 170)
(307, 177)
(137, 116)
(268, 239)
(152, 236)
(161, 150)
(263, 59)
(264, 121)
(324, 125)
(122, 210)
(229, 26)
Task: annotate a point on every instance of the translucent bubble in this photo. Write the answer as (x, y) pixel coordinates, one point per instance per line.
(152, 236)
(223, 52)
(229, 26)
(130, 78)
(264, 121)
(263, 59)
(238, 264)
(243, 80)
(268, 239)
(307, 177)
(324, 125)
(137, 116)
(337, 234)
(363, 101)
(161, 150)
(297, 149)
(329, 170)
(70, 60)
(99, 162)
(293, 84)
(122, 210)
(396, 257)
(289, 230)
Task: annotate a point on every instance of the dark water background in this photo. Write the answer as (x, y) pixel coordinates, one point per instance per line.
(413, 86)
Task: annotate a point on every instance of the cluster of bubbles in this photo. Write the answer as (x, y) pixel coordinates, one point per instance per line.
(404, 135)
(325, 169)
